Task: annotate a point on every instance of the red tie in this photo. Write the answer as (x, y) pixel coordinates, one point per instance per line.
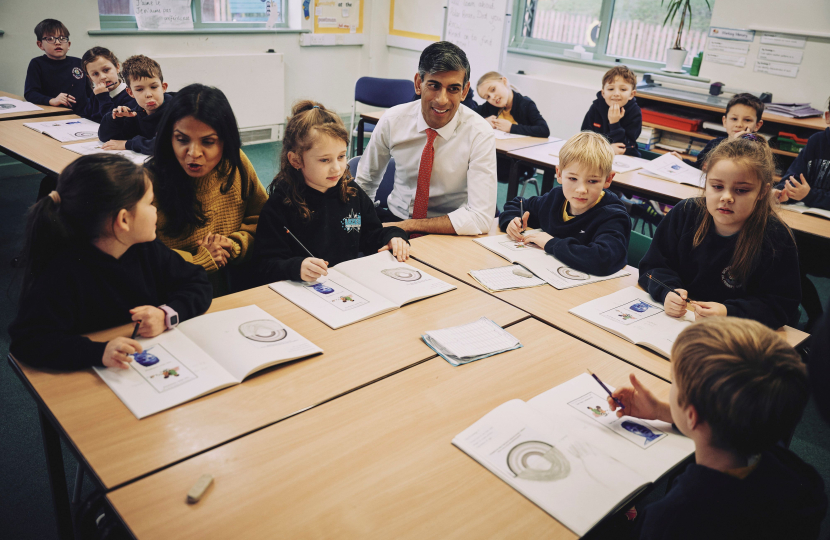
(419, 211)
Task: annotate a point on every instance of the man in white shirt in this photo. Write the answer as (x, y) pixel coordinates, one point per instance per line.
(448, 186)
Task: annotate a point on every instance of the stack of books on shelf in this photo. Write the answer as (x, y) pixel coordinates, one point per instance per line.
(648, 138)
(697, 147)
(793, 110)
(675, 142)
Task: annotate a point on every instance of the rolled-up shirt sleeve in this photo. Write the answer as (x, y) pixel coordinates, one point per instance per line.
(476, 216)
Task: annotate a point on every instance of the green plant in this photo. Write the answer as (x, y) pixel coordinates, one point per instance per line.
(685, 7)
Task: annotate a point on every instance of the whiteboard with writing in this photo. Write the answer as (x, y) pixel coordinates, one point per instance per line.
(480, 28)
(163, 14)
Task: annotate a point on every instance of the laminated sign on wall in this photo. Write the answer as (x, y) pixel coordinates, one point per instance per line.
(163, 14)
(338, 17)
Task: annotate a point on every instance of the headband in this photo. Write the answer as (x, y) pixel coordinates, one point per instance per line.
(55, 196)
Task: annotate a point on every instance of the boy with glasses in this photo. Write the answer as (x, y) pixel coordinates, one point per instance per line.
(55, 78)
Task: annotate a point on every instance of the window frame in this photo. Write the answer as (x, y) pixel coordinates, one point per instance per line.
(529, 45)
(128, 22)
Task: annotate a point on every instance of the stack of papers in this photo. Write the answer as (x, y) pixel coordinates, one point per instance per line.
(470, 342)
(9, 105)
(671, 168)
(76, 129)
(505, 278)
(793, 110)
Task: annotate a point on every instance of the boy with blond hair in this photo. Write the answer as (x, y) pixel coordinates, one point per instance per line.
(615, 113)
(126, 129)
(739, 389)
(580, 223)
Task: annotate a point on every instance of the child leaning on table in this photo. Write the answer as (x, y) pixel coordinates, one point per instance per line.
(92, 262)
(615, 113)
(581, 223)
(738, 390)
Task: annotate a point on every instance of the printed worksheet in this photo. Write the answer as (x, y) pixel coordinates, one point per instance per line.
(76, 129)
(10, 105)
(94, 147)
(674, 169)
(504, 278)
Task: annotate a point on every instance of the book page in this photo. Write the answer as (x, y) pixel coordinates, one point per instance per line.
(246, 339)
(802, 208)
(77, 129)
(501, 135)
(398, 282)
(169, 371)
(650, 448)
(561, 465)
(10, 105)
(336, 299)
(671, 168)
(556, 147)
(634, 315)
(623, 164)
(474, 339)
(94, 147)
(503, 246)
(505, 278)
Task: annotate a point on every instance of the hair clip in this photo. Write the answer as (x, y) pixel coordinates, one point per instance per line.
(751, 137)
(316, 107)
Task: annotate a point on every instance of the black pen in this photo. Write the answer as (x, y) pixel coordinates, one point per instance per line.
(135, 330)
(522, 213)
(606, 389)
(298, 242)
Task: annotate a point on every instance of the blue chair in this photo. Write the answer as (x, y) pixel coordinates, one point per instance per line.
(377, 93)
(386, 184)
(638, 245)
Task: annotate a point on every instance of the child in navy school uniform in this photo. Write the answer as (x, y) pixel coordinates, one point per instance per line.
(728, 252)
(109, 91)
(92, 262)
(509, 111)
(738, 390)
(581, 223)
(55, 78)
(615, 113)
(126, 129)
(315, 197)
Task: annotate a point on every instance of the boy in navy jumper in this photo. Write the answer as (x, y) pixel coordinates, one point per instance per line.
(615, 112)
(55, 78)
(136, 130)
(580, 223)
(738, 390)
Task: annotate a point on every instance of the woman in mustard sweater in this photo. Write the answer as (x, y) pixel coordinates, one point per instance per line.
(207, 192)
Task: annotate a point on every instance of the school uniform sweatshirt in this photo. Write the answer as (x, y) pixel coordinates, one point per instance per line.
(139, 131)
(814, 163)
(524, 112)
(100, 105)
(85, 290)
(782, 497)
(46, 78)
(595, 242)
(625, 131)
(337, 231)
(771, 293)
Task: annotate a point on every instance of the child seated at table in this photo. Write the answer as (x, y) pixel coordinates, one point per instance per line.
(580, 223)
(511, 112)
(315, 197)
(136, 130)
(738, 391)
(55, 78)
(728, 252)
(743, 115)
(92, 262)
(109, 91)
(615, 113)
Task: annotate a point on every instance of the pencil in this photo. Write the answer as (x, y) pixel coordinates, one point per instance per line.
(617, 401)
(135, 330)
(298, 242)
(522, 213)
(672, 289)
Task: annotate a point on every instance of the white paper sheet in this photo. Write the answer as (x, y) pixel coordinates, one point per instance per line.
(77, 129)
(9, 105)
(674, 169)
(94, 147)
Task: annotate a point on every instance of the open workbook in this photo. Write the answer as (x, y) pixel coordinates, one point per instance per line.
(622, 164)
(668, 167)
(635, 316)
(569, 454)
(544, 265)
(74, 129)
(361, 288)
(10, 105)
(203, 355)
(801, 208)
(95, 147)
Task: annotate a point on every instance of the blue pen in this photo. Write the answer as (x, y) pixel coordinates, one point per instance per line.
(617, 401)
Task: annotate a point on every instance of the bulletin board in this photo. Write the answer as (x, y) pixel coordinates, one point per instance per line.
(338, 17)
(421, 19)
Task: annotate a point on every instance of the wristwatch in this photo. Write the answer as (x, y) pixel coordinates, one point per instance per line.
(171, 318)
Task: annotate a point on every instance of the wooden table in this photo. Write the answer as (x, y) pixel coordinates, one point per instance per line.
(377, 463)
(117, 448)
(36, 149)
(457, 255)
(634, 182)
(48, 110)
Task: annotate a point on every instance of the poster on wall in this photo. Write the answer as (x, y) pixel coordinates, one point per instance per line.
(163, 14)
(731, 34)
(774, 68)
(770, 38)
(338, 17)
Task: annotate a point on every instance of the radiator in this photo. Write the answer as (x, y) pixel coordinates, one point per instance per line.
(259, 107)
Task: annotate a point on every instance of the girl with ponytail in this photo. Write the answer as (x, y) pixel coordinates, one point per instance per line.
(92, 262)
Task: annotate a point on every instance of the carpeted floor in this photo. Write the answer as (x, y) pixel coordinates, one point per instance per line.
(26, 512)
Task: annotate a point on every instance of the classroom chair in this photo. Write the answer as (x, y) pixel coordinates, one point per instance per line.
(645, 213)
(386, 184)
(638, 244)
(377, 93)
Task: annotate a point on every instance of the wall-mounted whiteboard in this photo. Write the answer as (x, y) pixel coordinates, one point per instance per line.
(415, 24)
(481, 29)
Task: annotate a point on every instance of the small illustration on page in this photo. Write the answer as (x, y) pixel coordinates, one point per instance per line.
(512, 245)
(337, 295)
(402, 274)
(632, 311)
(7, 106)
(536, 460)
(571, 274)
(85, 134)
(163, 371)
(641, 430)
(263, 330)
(633, 430)
(598, 411)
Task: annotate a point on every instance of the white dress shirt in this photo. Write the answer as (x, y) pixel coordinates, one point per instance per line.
(463, 181)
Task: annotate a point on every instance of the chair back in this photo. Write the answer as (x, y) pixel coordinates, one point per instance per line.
(386, 184)
(638, 245)
(383, 92)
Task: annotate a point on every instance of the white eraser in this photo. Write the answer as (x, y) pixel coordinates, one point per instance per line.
(199, 488)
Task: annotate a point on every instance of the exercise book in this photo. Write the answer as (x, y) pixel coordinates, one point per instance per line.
(569, 454)
(668, 167)
(10, 105)
(505, 278)
(801, 208)
(94, 147)
(544, 265)
(502, 135)
(77, 129)
(470, 342)
(202, 355)
(635, 316)
(360, 289)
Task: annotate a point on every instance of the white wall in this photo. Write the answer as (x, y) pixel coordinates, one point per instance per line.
(326, 74)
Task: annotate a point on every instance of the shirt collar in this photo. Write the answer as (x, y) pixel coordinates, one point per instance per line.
(118, 89)
(446, 131)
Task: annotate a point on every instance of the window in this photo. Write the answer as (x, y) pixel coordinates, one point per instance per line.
(207, 14)
(631, 30)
